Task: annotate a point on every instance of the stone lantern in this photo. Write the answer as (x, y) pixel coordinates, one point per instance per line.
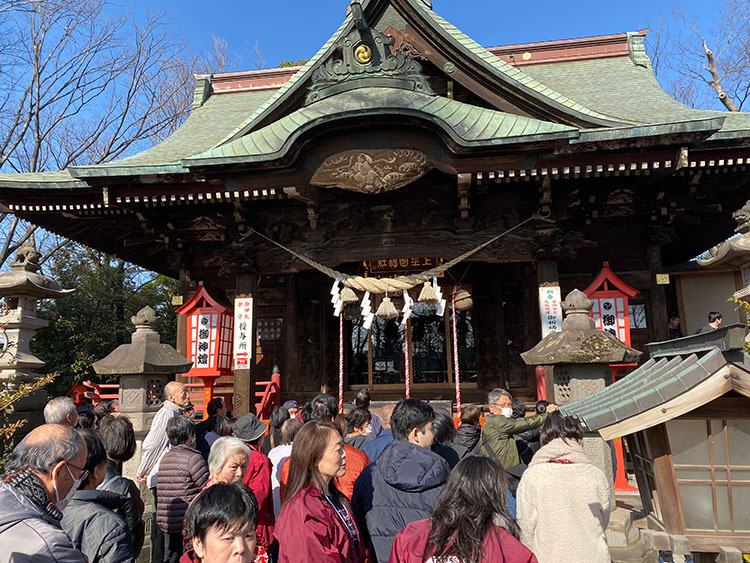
(21, 288)
(578, 360)
(580, 354)
(144, 367)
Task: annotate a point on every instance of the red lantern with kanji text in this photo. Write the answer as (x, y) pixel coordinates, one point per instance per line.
(209, 340)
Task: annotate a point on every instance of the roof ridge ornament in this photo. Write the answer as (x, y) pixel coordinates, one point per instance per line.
(367, 60)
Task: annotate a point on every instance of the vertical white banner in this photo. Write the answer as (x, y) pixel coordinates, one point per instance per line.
(550, 311)
(243, 332)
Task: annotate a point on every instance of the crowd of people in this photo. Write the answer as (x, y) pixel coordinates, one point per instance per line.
(404, 486)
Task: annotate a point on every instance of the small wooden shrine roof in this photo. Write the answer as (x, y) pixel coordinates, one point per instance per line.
(682, 375)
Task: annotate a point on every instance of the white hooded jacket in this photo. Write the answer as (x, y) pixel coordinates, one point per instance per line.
(563, 508)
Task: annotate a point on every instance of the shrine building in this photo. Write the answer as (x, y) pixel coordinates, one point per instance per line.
(401, 145)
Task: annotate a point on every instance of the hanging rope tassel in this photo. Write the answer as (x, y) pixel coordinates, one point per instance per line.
(387, 310)
(341, 362)
(348, 296)
(457, 375)
(427, 295)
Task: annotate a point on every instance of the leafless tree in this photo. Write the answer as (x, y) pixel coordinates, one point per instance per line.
(690, 55)
(83, 85)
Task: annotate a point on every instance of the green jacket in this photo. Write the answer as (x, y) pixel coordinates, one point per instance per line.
(498, 431)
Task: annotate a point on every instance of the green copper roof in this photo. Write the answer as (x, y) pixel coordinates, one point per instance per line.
(467, 125)
(676, 366)
(41, 180)
(618, 87)
(205, 127)
(509, 73)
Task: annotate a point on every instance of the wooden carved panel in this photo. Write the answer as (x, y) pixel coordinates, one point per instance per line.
(372, 171)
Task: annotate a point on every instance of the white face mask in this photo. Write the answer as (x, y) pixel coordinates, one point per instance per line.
(507, 412)
(368, 430)
(62, 503)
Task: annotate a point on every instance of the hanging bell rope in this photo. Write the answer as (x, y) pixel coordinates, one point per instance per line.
(380, 286)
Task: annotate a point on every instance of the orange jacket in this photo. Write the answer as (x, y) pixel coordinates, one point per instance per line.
(356, 461)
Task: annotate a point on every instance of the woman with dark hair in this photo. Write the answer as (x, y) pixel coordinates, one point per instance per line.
(563, 498)
(469, 430)
(272, 439)
(445, 432)
(118, 438)
(468, 524)
(358, 428)
(316, 522)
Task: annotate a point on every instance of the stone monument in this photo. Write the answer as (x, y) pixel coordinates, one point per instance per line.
(21, 288)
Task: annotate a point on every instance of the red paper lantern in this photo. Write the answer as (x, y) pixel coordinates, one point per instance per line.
(209, 340)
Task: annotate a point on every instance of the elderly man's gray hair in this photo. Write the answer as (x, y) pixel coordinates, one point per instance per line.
(494, 396)
(40, 455)
(58, 409)
(221, 449)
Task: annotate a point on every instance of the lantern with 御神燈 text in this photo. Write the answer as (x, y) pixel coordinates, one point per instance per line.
(209, 339)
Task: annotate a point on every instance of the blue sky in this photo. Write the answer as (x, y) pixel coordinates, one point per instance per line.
(293, 29)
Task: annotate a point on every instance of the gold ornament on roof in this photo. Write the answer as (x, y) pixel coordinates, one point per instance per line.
(363, 54)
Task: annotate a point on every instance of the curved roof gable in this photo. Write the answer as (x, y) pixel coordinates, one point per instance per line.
(465, 124)
(507, 81)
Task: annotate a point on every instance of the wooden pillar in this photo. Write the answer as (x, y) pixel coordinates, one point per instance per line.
(546, 276)
(181, 344)
(657, 296)
(244, 379)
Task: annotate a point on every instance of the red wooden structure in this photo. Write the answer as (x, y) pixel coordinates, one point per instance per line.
(611, 312)
(611, 298)
(209, 340)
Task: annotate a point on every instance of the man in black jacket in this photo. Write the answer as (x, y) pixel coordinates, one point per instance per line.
(404, 483)
(89, 519)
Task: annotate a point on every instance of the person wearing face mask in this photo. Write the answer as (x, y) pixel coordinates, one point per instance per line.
(496, 440)
(358, 428)
(90, 520)
(404, 483)
(182, 475)
(41, 477)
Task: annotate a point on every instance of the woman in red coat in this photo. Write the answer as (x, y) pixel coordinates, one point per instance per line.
(316, 522)
(469, 522)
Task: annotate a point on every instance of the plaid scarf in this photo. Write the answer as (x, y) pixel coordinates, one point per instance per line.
(31, 487)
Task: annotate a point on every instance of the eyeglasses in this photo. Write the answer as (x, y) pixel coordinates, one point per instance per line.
(84, 472)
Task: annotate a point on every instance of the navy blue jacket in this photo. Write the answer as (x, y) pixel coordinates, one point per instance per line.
(375, 447)
(400, 488)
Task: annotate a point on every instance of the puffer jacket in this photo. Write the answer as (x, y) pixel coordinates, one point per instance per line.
(95, 529)
(468, 435)
(29, 535)
(182, 475)
(400, 488)
(132, 509)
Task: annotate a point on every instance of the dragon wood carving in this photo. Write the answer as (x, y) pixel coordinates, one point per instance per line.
(373, 171)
